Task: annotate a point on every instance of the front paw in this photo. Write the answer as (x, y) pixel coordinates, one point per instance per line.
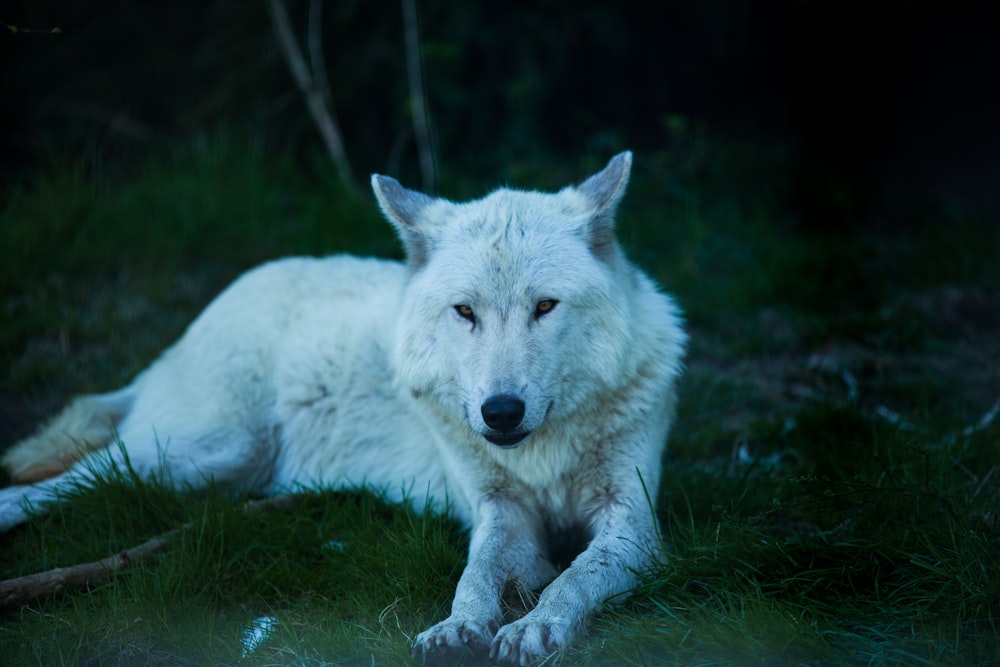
(527, 641)
(455, 641)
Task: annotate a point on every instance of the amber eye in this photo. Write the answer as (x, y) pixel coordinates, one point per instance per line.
(466, 312)
(545, 306)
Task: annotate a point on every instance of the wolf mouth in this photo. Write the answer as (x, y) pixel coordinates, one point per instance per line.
(506, 439)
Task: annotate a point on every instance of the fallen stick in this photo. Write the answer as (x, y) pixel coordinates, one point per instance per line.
(32, 586)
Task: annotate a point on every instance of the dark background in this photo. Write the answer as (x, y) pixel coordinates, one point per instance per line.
(870, 99)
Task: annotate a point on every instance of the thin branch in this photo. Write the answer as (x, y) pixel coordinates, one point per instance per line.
(314, 42)
(418, 98)
(31, 586)
(322, 113)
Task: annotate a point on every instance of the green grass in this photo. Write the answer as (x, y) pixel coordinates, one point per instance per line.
(826, 498)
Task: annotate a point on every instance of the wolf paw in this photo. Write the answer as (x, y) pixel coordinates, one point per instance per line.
(527, 641)
(12, 507)
(455, 641)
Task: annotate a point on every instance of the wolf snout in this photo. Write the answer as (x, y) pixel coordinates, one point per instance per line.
(503, 414)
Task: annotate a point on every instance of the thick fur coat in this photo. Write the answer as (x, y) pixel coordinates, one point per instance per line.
(516, 370)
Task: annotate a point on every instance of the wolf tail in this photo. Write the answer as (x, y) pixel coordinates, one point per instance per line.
(86, 424)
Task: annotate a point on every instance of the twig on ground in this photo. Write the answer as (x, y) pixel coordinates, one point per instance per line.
(31, 586)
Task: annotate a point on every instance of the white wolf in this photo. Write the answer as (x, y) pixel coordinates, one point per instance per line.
(516, 369)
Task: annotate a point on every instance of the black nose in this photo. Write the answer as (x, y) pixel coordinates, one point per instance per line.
(503, 412)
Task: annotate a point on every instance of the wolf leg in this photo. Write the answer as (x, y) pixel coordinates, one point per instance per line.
(241, 460)
(503, 549)
(14, 501)
(624, 545)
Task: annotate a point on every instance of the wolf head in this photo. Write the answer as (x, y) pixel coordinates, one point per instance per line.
(517, 308)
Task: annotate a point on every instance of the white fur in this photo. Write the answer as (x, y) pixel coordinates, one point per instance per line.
(349, 372)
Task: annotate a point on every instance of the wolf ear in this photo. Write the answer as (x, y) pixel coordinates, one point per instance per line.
(403, 208)
(606, 187)
(604, 190)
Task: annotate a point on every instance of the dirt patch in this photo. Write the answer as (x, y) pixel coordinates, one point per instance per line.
(933, 354)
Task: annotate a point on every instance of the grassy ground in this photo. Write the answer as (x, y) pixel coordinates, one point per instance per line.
(831, 491)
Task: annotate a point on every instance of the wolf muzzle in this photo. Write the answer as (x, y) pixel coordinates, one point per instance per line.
(503, 413)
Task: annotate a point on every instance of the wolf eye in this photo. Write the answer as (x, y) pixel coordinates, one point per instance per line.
(544, 306)
(466, 312)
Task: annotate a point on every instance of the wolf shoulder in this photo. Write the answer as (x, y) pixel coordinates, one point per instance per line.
(265, 301)
(659, 324)
(282, 285)
(278, 313)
